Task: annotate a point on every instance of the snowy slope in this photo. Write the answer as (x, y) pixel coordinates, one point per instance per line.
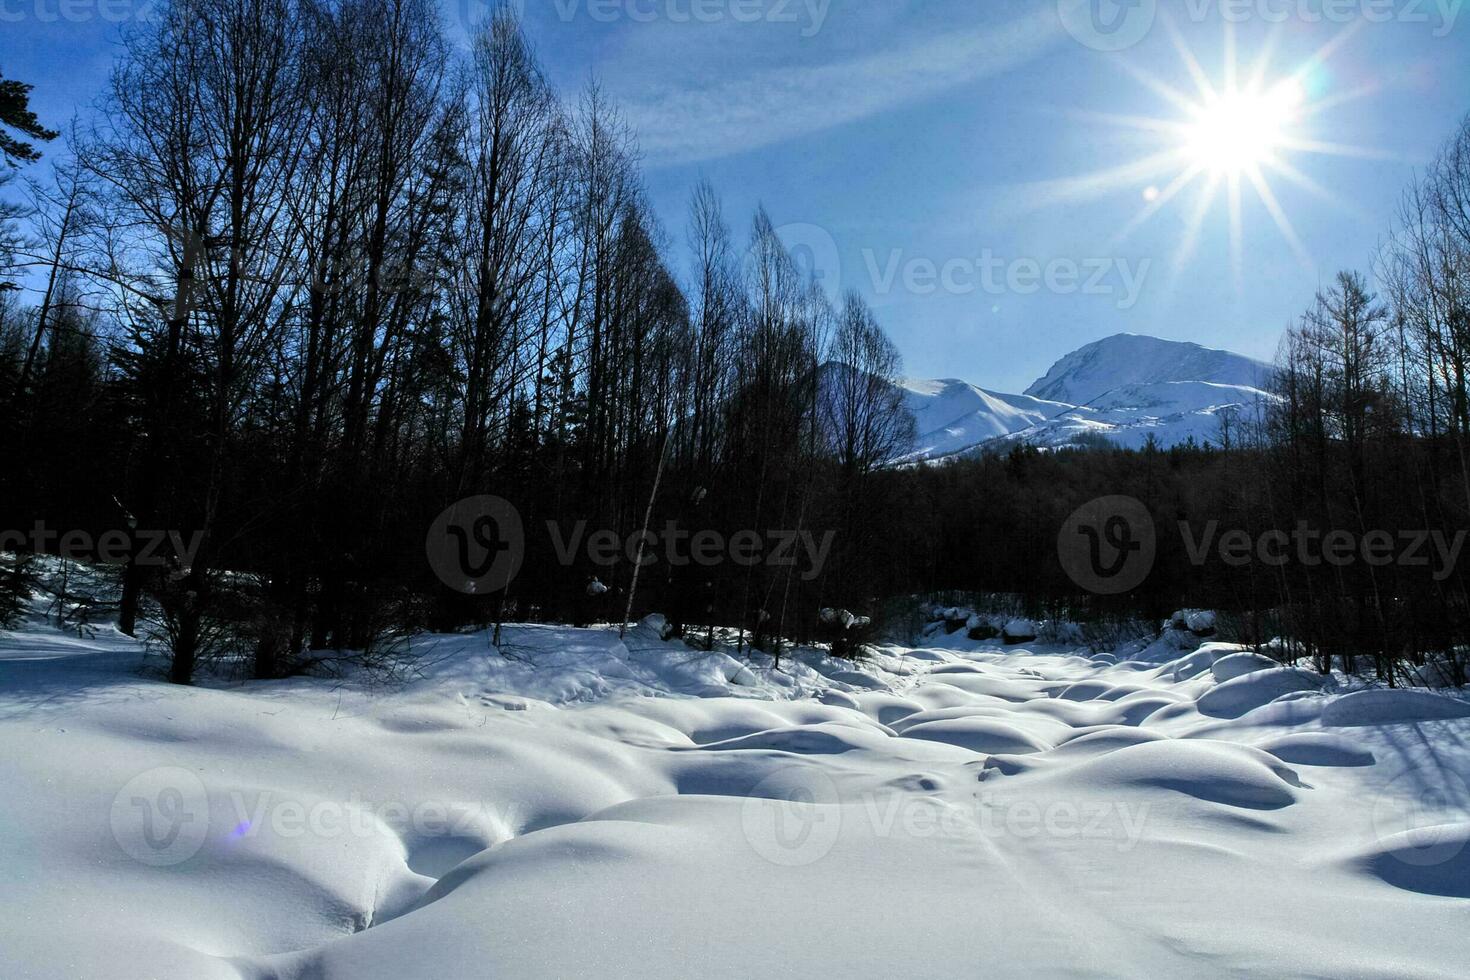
(952, 415)
(1172, 412)
(577, 806)
(1092, 371)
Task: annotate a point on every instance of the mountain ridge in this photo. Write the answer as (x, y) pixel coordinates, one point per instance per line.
(1122, 389)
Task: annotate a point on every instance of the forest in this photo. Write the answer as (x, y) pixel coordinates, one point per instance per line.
(314, 276)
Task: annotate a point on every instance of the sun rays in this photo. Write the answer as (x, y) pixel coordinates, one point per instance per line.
(1224, 143)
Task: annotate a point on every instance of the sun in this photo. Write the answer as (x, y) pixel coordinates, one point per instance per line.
(1224, 137)
(1237, 132)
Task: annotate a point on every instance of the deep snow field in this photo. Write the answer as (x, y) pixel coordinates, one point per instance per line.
(577, 806)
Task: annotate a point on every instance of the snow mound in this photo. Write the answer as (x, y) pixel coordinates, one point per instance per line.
(1089, 690)
(1198, 661)
(1436, 673)
(987, 736)
(1103, 740)
(1317, 749)
(1392, 707)
(1239, 664)
(1430, 860)
(1019, 631)
(1217, 772)
(822, 739)
(577, 805)
(975, 682)
(1250, 691)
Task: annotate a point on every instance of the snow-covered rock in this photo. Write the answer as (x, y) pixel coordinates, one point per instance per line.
(1200, 622)
(656, 625)
(1250, 691)
(1236, 664)
(843, 619)
(1384, 706)
(1019, 630)
(1436, 673)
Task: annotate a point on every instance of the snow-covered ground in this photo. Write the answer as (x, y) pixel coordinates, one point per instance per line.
(572, 805)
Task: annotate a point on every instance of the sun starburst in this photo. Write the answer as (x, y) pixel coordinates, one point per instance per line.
(1227, 136)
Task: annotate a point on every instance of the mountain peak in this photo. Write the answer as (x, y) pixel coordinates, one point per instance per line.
(1129, 359)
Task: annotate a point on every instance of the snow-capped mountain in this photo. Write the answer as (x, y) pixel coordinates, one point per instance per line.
(1131, 359)
(952, 416)
(1122, 388)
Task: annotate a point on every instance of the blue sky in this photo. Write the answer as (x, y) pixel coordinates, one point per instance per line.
(943, 157)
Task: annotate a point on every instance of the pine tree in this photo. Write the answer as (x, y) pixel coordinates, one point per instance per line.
(15, 113)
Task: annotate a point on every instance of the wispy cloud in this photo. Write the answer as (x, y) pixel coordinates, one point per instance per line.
(736, 111)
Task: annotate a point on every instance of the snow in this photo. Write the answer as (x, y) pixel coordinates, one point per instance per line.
(1019, 630)
(952, 416)
(573, 805)
(1239, 664)
(1091, 372)
(1318, 749)
(1384, 707)
(1247, 692)
(1171, 412)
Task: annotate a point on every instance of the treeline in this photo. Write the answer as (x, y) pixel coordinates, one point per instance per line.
(313, 276)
